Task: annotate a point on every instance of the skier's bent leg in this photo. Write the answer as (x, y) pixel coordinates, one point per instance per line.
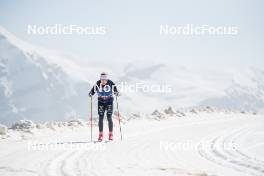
(109, 116)
(110, 122)
(101, 111)
(101, 123)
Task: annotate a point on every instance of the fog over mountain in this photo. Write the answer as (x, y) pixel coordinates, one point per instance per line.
(43, 84)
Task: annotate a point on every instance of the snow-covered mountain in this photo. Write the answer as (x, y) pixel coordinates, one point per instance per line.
(42, 84)
(238, 88)
(246, 92)
(36, 83)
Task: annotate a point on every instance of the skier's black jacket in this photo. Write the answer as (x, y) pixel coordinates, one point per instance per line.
(105, 92)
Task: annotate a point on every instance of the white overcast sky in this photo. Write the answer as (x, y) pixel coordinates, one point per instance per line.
(133, 29)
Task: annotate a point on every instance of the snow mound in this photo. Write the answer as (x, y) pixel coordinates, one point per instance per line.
(158, 114)
(26, 129)
(169, 111)
(76, 123)
(23, 125)
(51, 125)
(186, 112)
(3, 130)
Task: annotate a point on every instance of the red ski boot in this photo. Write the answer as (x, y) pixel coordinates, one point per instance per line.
(101, 136)
(110, 136)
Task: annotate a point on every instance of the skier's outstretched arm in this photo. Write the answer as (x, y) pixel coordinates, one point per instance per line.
(92, 92)
(116, 92)
(94, 88)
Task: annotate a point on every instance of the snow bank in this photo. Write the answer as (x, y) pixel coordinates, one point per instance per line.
(186, 112)
(3, 130)
(76, 123)
(23, 125)
(26, 129)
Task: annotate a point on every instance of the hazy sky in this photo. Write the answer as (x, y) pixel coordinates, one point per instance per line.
(133, 29)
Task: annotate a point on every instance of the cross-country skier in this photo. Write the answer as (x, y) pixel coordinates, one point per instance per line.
(105, 89)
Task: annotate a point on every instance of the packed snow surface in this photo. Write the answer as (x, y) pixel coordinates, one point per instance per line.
(186, 142)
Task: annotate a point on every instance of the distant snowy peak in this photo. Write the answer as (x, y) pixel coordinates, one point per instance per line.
(251, 77)
(36, 53)
(250, 82)
(10, 38)
(33, 85)
(246, 92)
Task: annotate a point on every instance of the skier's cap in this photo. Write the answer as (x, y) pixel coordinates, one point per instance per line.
(103, 76)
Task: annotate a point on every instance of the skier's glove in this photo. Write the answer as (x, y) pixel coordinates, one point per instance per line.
(90, 94)
(117, 94)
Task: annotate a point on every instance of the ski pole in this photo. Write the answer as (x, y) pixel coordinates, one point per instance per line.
(118, 118)
(91, 118)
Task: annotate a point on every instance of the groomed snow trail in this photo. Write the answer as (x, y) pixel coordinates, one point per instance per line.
(214, 144)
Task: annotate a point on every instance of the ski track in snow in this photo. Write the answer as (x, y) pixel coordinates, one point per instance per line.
(224, 151)
(139, 154)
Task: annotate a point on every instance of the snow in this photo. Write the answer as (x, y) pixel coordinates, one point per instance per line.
(39, 83)
(210, 124)
(3, 130)
(32, 52)
(45, 75)
(23, 125)
(206, 141)
(34, 85)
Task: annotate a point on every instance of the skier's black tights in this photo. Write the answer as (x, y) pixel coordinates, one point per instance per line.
(108, 107)
(101, 123)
